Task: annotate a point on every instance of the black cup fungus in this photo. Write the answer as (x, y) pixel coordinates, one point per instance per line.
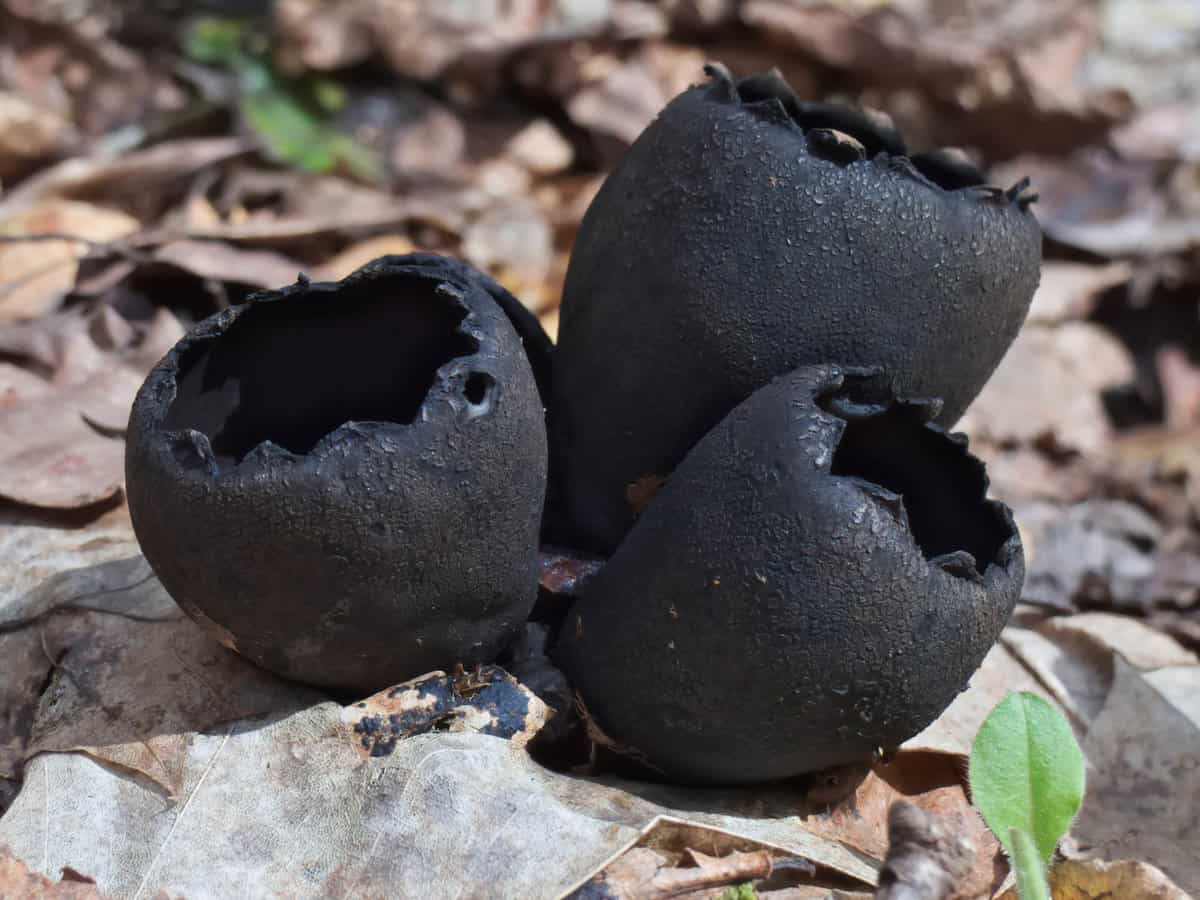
(747, 233)
(344, 481)
(816, 581)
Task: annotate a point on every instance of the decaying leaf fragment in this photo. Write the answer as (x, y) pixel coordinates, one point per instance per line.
(666, 861)
(1096, 880)
(487, 700)
(59, 437)
(17, 882)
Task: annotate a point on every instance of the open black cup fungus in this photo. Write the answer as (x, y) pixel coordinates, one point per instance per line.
(816, 581)
(344, 482)
(747, 233)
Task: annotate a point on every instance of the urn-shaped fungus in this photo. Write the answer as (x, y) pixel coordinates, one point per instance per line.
(747, 233)
(344, 481)
(818, 579)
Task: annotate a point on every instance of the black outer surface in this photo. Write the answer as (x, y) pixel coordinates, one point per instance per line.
(729, 247)
(387, 549)
(765, 618)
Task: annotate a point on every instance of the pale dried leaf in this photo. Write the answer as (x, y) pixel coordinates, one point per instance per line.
(954, 731)
(423, 39)
(70, 643)
(1070, 290)
(57, 450)
(18, 883)
(288, 800)
(1143, 779)
(130, 174)
(36, 546)
(1141, 646)
(36, 275)
(1099, 552)
(222, 262)
(432, 145)
(651, 865)
(1095, 880)
(358, 255)
(541, 149)
(1048, 387)
(27, 134)
(932, 782)
(440, 211)
(630, 94)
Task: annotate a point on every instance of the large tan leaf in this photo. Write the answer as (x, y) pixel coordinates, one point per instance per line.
(60, 445)
(36, 275)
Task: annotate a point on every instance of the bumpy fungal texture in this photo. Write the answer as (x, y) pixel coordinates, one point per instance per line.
(344, 482)
(747, 233)
(818, 579)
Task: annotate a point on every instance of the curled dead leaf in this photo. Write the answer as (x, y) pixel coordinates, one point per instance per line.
(1096, 880)
(36, 273)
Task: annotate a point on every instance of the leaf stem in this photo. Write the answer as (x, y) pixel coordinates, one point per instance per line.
(1031, 876)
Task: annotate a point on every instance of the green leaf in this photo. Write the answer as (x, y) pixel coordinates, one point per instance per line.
(293, 133)
(1027, 772)
(1031, 872)
(214, 40)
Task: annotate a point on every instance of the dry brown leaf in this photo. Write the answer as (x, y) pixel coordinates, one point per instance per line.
(1048, 388)
(1072, 656)
(933, 782)
(630, 94)
(1180, 381)
(1004, 65)
(514, 235)
(644, 874)
(1165, 133)
(1145, 48)
(1143, 779)
(700, 15)
(36, 275)
(1070, 290)
(49, 456)
(1140, 645)
(441, 212)
(95, 649)
(57, 449)
(18, 883)
(1111, 207)
(1094, 553)
(433, 144)
(954, 730)
(676, 858)
(290, 797)
(358, 255)
(140, 174)
(541, 149)
(36, 545)
(423, 39)
(222, 262)
(549, 322)
(27, 134)
(1096, 880)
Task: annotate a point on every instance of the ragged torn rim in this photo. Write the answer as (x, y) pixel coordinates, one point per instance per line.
(844, 135)
(293, 372)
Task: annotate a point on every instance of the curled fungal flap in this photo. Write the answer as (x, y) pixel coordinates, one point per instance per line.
(870, 131)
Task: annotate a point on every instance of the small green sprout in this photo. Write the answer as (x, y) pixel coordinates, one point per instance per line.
(1027, 776)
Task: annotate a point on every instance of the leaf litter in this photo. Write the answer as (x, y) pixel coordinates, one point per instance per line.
(135, 751)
